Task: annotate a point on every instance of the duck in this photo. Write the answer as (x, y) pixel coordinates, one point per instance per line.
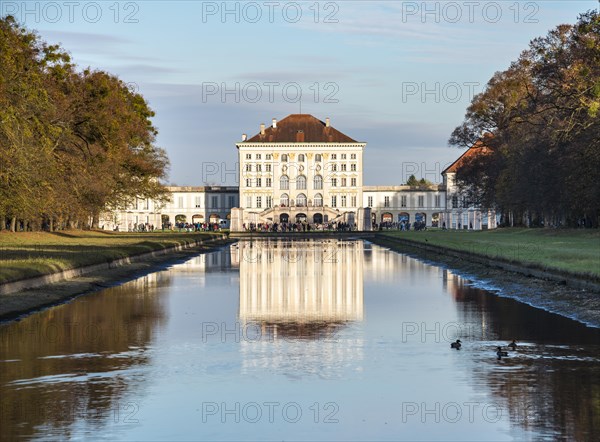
(501, 353)
(512, 345)
(456, 344)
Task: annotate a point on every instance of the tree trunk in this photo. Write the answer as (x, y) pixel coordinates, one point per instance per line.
(95, 221)
(13, 224)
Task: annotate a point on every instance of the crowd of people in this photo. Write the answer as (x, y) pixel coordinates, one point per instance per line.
(402, 225)
(301, 226)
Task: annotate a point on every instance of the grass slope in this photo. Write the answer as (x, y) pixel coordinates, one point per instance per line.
(29, 254)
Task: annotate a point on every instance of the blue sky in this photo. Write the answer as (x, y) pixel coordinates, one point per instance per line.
(398, 75)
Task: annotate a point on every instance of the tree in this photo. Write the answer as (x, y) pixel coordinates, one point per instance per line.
(543, 113)
(72, 144)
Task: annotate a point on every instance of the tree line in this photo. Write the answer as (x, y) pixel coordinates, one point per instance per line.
(541, 118)
(73, 143)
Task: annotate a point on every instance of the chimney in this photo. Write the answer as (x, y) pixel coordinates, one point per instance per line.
(300, 136)
(244, 137)
(327, 122)
(262, 128)
(274, 123)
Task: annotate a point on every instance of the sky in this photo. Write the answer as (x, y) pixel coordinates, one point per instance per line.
(397, 75)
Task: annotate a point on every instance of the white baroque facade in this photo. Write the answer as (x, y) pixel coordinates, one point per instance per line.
(459, 212)
(300, 169)
(187, 204)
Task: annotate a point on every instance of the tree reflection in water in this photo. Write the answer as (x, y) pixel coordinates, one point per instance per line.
(551, 383)
(54, 365)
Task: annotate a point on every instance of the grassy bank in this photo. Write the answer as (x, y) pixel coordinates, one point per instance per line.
(573, 251)
(30, 254)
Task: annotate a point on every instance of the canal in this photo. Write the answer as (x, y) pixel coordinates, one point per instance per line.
(303, 339)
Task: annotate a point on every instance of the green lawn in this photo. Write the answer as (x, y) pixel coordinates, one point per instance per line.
(575, 251)
(29, 254)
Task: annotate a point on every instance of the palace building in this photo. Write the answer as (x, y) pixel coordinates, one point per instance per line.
(302, 169)
(299, 169)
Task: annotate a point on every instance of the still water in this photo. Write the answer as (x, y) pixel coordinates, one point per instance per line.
(277, 339)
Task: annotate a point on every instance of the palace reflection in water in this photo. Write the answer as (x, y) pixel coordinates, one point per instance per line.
(322, 321)
(300, 288)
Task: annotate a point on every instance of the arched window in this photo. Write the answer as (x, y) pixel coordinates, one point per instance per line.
(301, 200)
(284, 158)
(301, 182)
(318, 182)
(318, 158)
(284, 200)
(284, 182)
(301, 158)
(318, 200)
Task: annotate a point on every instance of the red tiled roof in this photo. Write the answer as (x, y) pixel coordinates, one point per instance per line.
(478, 148)
(297, 128)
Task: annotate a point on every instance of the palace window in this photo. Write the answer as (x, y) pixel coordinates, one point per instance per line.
(301, 158)
(334, 156)
(334, 167)
(333, 182)
(258, 156)
(370, 201)
(318, 182)
(248, 156)
(352, 156)
(268, 167)
(284, 158)
(284, 200)
(269, 202)
(259, 202)
(301, 182)
(268, 156)
(284, 182)
(248, 167)
(334, 201)
(198, 201)
(248, 182)
(353, 167)
(215, 202)
(386, 201)
(353, 201)
(258, 182)
(231, 201)
(343, 156)
(318, 202)
(343, 201)
(403, 201)
(301, 200)
(344, 167)
(353, 182)
(455, 202)
(437, 201)
(318, 158)
(269, 182)
(248, 201)
(421, 201)
(259, 168)
(343, 182)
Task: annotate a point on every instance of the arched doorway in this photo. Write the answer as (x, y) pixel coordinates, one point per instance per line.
(387, 217)
(180, 218)
(301, 217)
(214, 218)
(403, 216)
(435, 220)
(318, 218)
(284, 218)
(197, 219)
(420, 217)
